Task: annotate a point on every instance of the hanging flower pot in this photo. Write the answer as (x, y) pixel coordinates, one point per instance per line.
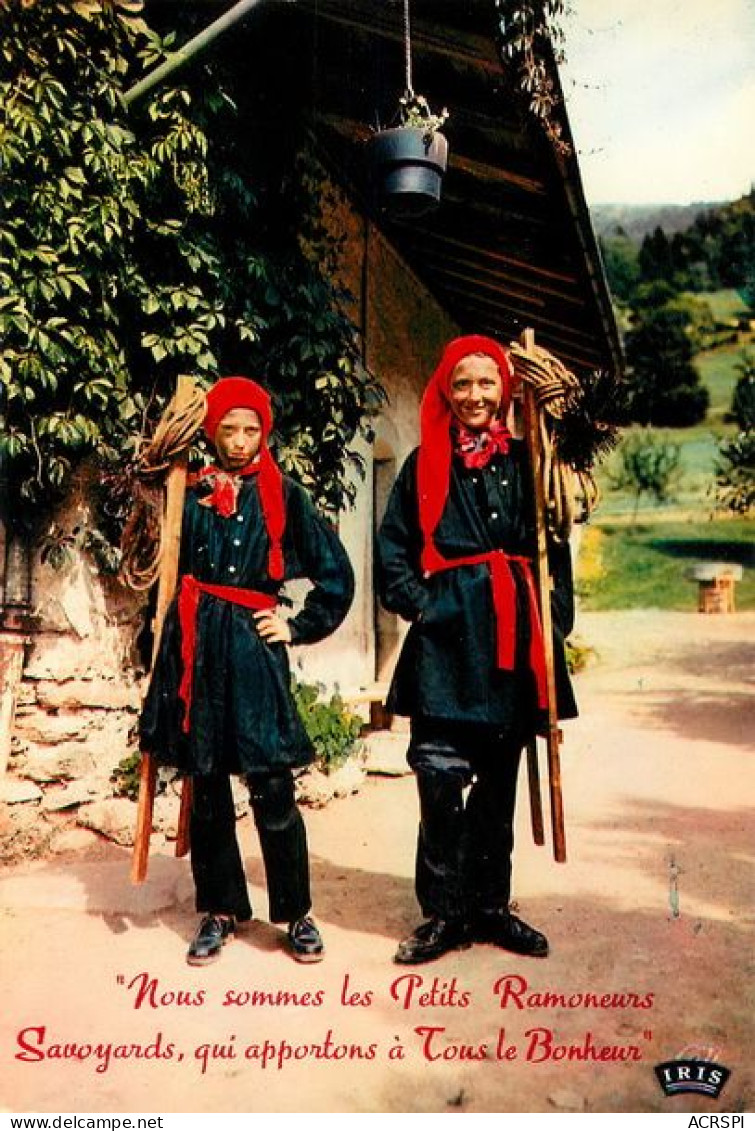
(407, 162)
(407, 166)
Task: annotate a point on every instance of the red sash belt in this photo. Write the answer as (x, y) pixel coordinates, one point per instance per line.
(188, 604)
(504, 604)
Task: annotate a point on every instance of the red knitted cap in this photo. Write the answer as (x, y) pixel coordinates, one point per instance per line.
(435, 451)
(237, 392)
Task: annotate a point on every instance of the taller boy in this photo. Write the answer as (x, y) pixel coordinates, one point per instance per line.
(220, 702)
(456, 548)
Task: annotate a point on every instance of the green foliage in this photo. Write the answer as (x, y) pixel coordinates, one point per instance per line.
(58, 548)
(137, 245)
(126, 776)
(655, 258)
(333, 730)
(717, 250)
(578, 655)
(415, 113)
(735, 471)
(621, 262)
(96, 241)
(663, 385)
(743, 399)
(530, 29)
(648, 465)
(700, 324)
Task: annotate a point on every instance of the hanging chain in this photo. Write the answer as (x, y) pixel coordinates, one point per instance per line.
(408, 49)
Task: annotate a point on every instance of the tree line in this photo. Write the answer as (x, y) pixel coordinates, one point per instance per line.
(656, 285)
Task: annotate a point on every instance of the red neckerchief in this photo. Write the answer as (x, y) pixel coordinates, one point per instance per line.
(476, 449)
(225, 487)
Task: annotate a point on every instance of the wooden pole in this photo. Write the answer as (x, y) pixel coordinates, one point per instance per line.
(536, 803)
(175, 490)
(544, 585)
(184, 813)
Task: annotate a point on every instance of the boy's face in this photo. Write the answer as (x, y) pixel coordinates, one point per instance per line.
(238, 438)
(476, 391)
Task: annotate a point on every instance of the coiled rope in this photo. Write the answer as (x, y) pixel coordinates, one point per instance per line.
(142, 538)
(571, 493)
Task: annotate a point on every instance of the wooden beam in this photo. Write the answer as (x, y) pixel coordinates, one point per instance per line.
(494, 174)
(527, 310)
(385, 20)
(489, 252)
(472, 271)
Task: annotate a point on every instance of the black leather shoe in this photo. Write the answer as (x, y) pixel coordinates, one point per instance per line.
(305, 941)
(210, 939)
(505, 930)
(431, 940)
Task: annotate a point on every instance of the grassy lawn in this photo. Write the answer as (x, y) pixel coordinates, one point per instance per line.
(718, 370)
(725, 305)
(643, 567)
(629, 563)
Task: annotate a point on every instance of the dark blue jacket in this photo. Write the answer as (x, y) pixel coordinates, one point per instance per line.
(243, 719)
(448, 668)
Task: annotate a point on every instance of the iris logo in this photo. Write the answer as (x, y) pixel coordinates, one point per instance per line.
(694, 1070)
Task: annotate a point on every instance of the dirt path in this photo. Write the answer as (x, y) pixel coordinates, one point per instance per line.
(655, 904)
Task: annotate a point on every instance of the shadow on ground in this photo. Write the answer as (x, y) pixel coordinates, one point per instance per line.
(716, 717)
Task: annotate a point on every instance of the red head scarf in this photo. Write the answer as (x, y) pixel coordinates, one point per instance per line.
(435, 451)
(240, 392)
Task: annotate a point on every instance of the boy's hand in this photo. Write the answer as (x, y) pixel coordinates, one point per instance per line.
(272, 627)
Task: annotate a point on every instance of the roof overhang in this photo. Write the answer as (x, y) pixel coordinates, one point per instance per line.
(511, 244)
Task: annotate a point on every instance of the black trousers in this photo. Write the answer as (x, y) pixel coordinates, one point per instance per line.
(215, 858)
(464, 845)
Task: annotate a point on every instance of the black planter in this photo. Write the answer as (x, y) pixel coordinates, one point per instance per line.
(407, 166)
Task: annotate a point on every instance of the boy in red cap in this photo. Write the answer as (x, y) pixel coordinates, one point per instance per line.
(219, 702)
(455, 550)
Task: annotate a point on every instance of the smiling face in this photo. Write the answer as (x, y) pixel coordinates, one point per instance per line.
(238, 438)
(476, 391)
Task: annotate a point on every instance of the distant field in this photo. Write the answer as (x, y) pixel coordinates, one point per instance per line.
(718, 370)
(725, 305)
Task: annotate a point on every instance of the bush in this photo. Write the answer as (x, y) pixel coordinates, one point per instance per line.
(127, 775)
(743, 399)
(648, 466)
(735, 474)
(578, 655)
(735, 471)
(333, 730)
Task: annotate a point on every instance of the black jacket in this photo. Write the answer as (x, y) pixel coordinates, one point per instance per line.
(243, 719)
(447, 668)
